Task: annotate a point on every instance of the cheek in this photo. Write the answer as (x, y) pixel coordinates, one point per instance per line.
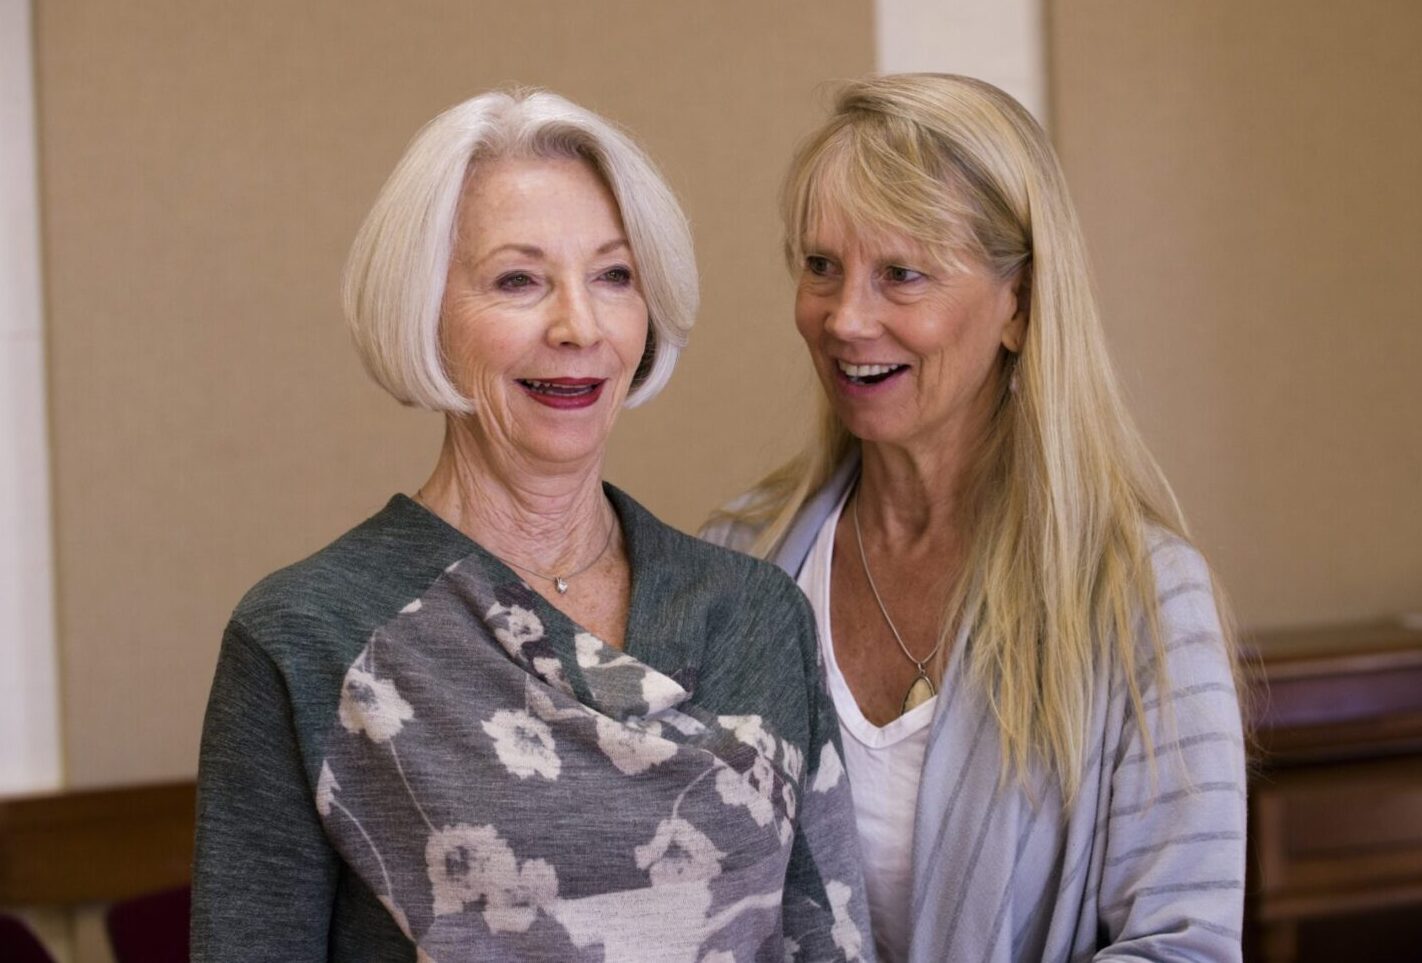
(807, 318)
(631, 334)
(635, 351)
(474, 353)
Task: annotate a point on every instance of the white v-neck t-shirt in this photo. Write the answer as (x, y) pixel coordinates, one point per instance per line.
(884, 765)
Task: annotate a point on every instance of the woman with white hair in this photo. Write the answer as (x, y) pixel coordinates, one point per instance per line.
(515, 716)
(1036, 693)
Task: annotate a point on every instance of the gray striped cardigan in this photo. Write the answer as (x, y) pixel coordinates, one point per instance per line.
(1147, 864)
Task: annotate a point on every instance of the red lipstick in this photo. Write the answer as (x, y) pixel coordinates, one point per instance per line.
(563, 393)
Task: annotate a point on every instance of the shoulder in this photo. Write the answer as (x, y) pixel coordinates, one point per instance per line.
(358, 581)
(1198, 653)
(731, 528)
(1185, 593)
(1176, 564)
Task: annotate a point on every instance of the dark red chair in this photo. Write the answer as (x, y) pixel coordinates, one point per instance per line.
(18, 944)
(151, 928)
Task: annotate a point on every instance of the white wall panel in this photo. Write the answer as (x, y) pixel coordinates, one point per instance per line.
(1000, 41)
(29, 726)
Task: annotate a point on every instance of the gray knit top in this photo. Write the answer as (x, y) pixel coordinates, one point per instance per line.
(410, 755)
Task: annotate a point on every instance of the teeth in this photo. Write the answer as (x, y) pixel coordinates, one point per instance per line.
(548, 387)
(867, 370)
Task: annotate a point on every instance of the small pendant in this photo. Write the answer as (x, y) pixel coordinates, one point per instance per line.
(920, 692)
(561, 584)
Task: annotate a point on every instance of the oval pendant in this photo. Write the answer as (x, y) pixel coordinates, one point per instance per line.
(561, 585)
(920, 692)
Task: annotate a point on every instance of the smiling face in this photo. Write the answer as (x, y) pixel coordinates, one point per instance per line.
(908, 350)
(543, 321)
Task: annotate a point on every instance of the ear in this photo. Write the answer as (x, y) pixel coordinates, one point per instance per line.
(1014, 332)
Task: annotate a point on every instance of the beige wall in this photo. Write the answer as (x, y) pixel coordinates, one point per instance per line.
(1244, 172)
(204, 167)
(1247, 174)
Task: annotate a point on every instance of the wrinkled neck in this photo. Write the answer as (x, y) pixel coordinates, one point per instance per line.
(547, 517)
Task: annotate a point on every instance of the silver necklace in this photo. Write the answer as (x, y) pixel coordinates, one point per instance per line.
(922, 688)
(560, 582)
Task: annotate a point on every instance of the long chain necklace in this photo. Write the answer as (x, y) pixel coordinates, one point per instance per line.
(560, 582)
(922, 688)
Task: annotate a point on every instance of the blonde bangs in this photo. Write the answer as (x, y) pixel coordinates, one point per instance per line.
(873, 175)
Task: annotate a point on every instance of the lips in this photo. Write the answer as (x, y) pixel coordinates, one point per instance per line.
(563, 392)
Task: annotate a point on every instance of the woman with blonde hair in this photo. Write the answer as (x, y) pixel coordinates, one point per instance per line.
(1035, 689)
(515, 717)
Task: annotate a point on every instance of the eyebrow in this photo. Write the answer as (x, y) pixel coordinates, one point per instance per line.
(534, 251)
(899, 254)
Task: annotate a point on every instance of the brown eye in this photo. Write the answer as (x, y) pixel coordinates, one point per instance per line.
(895, 274)
(817, 265)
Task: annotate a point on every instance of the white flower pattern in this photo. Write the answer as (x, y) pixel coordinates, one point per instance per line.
(468, 864)
(624, 718)
(751, 730)
(514, 626)
(794, 760)
(660, 692)
(514, 909)
(523, 744)
(844, 932)
(589, 648)
(831, 770)
(632, 748)
(372, 706)
(679, 853)
(551, 671)
(751, 789)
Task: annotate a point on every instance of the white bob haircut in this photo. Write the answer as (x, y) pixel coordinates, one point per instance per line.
(395, 274)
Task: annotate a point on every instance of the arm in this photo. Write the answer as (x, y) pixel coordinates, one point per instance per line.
(1172, 886)
(825, 910)
(263, 875)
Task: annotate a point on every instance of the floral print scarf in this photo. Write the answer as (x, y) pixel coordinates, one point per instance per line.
(511, 787)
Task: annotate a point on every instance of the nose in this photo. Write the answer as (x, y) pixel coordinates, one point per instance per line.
(574, 322)
(852, 312)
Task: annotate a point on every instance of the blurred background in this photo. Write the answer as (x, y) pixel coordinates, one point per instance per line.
(181, 412)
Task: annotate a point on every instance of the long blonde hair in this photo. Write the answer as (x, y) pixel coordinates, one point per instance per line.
(1063, 492)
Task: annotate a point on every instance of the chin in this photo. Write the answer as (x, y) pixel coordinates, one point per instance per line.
(876, 436)
(564, 447)
(869, 427)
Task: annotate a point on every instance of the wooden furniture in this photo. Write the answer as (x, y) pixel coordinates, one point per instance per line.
(1336, 796)
(98, 846)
